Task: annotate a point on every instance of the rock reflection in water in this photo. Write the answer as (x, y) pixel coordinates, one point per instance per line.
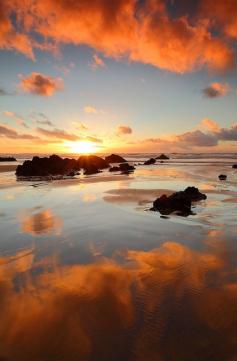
(171, 303)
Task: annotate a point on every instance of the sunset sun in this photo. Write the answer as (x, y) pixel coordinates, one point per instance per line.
(83, 147)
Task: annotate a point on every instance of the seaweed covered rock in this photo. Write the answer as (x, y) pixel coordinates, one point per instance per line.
(8, 159)
(88, 161)
(114, 158)
(162, 156)
(180, 202)
(54, 165)
(150, 161)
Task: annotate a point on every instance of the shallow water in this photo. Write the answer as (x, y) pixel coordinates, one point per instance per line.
(87, 272)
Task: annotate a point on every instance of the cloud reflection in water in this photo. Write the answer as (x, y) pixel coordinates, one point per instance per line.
(41, 223)
(170, 303)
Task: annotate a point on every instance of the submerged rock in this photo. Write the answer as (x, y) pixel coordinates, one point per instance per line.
(150, 161)
(222, 176)
(114, 158)
(46, 167)
(8, 159)
(180, 202)
(162, 156)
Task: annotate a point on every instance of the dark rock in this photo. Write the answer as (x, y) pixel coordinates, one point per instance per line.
(180, 202)
(234, 166)
(87, 161)
(150, 161)
(72, 173)
(222, 176)
(125, 167)
(162, 156)
(91, 169)
(43, 167)
(8, 159)
(114, 158)
(194, 195)
(114, 169)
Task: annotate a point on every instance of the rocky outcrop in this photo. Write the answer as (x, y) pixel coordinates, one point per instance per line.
(91, 169)
(8, 159)
(150, 161)
(114, 169)
(44, 167)
(114, 158)
(222, 176)
(88, 161)
(162, 156)
(180, 202)
(126, 168)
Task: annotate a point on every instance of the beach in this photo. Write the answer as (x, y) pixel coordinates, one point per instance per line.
(87, 261)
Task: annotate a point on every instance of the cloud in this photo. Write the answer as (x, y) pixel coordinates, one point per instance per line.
(80, 126)
(223, 15)
(97, 62)
(58, 133)
(7, 113)
(197, 138)
(228, 133)
(7, 132)
(144, 31)
(210, 124)
(93, 139)
(10, 38)
(90, 110)
(216, 90)
(40, 84)
(65, 69)
(19, 120)
(41, 119)
(123, 130)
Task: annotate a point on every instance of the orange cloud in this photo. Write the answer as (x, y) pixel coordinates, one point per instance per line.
(91, 110)
(141, 31)
(123, 130)
(97, 62)
(216, 90)
(40, 84)
(10, 38)
(210, 124)
(223, 15)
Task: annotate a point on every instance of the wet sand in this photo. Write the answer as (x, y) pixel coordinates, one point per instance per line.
(7, 168)
(87, 270)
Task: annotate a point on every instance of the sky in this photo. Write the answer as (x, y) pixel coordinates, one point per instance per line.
(81, 76)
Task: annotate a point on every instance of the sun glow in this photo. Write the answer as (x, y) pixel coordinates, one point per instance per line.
(83, 147)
